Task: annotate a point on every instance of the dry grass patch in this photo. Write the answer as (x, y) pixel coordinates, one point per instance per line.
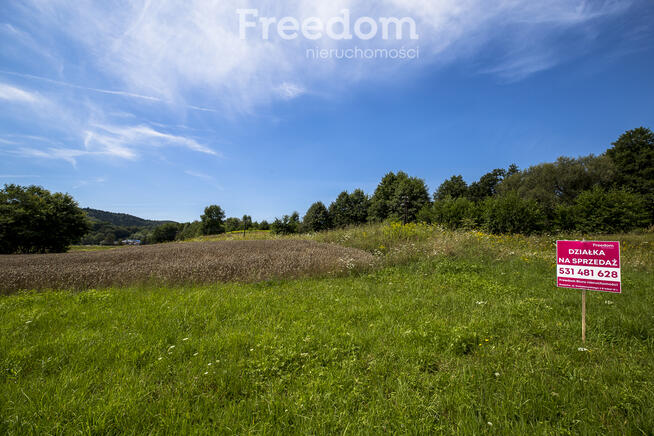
(178, 263)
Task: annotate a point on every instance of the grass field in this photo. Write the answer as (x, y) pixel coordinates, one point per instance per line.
(451, 333)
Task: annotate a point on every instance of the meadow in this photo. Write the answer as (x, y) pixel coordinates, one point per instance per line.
(447, 332)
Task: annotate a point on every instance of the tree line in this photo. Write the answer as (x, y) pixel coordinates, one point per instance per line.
(612, 192)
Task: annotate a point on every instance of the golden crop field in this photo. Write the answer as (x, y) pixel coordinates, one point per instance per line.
(177, 263)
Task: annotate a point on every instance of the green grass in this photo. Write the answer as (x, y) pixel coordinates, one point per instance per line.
(236, 235)
(83, 248)
(457, 331)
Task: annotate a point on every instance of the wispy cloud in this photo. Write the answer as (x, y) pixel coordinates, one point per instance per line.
(204, 177)
(190, 54)
(168, 49)
(198, 175)
(119, 139)
(102, 91)
(18, 95)
(289, 91)
(67, 154)
(94, 180)
(118, 142)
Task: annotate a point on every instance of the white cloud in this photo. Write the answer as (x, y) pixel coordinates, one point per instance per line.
(102, 91)
(189, 53)
(81, 135)
(14, 94)
(67, 154)
(120, 140)
(289, 91)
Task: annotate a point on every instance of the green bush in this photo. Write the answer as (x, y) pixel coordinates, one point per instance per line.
(287, 225)
(165, 233)
(616, 210)
(455, 213)
(510, 213)
(190, 230)
(233, 224)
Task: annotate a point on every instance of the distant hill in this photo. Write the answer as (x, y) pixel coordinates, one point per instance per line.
(121, 219)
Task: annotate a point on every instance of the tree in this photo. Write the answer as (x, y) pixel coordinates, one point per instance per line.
(287, 225)
(633, 156)
(359, 206)
(454, 187)
(398, 197)
(339, 210)
(560, 182)
(264, 225)
(487, 185)
(349, 209)
(232, 224)
(247, 221)
(165, 233)
(410, 195)
(32, 220)
(109, 239)
(381, 199)
(212, 220)
(317, 218)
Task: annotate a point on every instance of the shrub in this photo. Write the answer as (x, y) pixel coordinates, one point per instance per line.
(512, 214)
(189, 230)
(232, 224)
(564, 218)
(455, 213)
(165, 233)
(287, 225)
(617, 210)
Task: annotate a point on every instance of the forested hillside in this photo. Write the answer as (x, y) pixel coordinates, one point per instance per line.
(109, 227)
(121, 219)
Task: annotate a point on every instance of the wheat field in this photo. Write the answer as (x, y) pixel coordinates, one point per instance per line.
(178, 263)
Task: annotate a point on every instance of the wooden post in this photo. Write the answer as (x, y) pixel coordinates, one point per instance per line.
(583, 312)
(583, 316)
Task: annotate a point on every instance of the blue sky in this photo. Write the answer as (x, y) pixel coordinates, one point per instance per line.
(160, 108)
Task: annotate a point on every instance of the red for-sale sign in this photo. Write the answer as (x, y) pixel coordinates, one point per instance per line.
(591, 265)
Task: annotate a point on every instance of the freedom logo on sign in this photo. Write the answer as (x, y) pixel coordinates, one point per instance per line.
(590, 265)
